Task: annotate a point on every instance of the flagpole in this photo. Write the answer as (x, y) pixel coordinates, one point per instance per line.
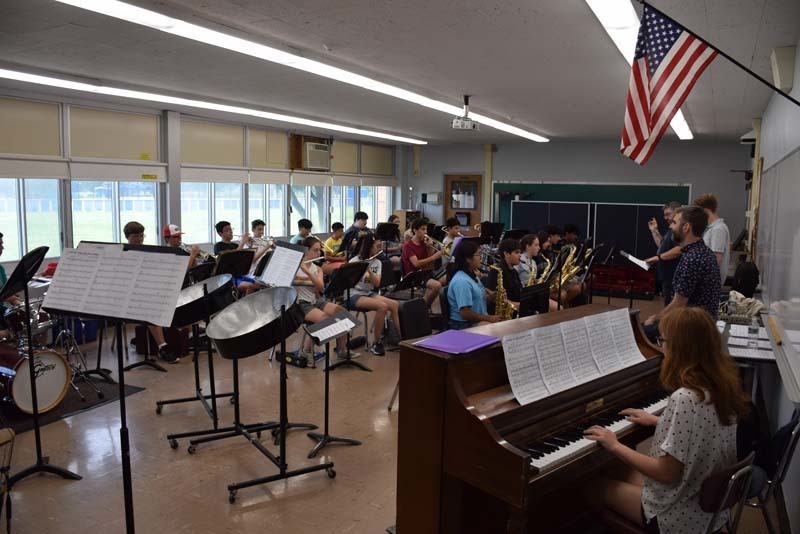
(726, 56)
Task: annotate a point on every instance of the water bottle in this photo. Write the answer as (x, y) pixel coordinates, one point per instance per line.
(752, 334)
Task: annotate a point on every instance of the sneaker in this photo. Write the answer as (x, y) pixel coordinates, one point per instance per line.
(319, 356)
(343, 355)
(166, 354)
(377, 349)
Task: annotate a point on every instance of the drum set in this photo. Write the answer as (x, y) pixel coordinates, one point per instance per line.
(55, 371)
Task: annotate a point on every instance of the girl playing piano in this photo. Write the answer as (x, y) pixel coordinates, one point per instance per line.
(695, 436)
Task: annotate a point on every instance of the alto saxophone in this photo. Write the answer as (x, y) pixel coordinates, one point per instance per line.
(531, 273)
(545, 271)
(502, 307)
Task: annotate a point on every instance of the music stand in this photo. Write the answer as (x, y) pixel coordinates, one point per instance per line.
(534, 299)
(235, 263)
(387, 232)
(18, 281)
(514, 233)
(342, 281)
(412, 281)
(320, 334)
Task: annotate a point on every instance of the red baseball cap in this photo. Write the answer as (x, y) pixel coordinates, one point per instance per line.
(172, 230)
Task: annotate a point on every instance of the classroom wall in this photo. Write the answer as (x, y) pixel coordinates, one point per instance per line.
(778, 245)
(705, 165)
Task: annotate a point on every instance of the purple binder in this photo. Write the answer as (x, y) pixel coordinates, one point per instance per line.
(457, 341)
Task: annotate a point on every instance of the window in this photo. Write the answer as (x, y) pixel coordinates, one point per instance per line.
(343, 204)
(297, 202)
(383, 203)
(100, 210)
(318, 208)
(228, 207)
(29, 216)
(271, 210)
(195, 212)
(138, 202)
(367, 204)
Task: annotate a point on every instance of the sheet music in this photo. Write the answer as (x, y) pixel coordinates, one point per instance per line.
(743, 341)
(579, 351)
(793, 335)
(602, 341)
(740, 330)
(636, 261)
(103, 280)
(553, 358)
(334, 330)
(755, 354)
(522, 366)
(282, 267)
(624, 340)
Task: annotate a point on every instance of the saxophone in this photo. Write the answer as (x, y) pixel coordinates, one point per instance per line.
(545, 272)
(531, 273)
(502, 307)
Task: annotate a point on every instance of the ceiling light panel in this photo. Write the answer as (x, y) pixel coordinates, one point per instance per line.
(166, 99)
(157, 21)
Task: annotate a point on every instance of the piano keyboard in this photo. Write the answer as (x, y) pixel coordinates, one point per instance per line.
(553, 451)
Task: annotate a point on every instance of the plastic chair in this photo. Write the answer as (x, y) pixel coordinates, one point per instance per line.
(783, 446)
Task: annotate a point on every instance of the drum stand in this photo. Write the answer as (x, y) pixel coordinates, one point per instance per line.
(283, 427)
(42, 464)
(80, 370)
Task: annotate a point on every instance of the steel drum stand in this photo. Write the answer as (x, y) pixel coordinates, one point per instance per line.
(325, 439)
(24, 272)
(283, 427)
(211, 409)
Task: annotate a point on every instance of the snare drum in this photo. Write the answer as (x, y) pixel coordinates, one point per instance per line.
(40, 320)
(52, 379)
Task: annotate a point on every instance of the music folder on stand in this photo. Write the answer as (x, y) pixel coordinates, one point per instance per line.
(342, 281)
(18, 281)
(321, 333)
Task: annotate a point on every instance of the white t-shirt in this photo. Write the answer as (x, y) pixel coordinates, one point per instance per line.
(689, 431)
(717, 237)
(304, 285)
(364, 287)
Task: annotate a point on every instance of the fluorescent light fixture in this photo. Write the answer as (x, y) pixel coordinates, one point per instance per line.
(622, 25)
(165, 99)
(157, 21)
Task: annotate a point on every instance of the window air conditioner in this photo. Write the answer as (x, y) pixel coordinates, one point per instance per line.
(317, 156)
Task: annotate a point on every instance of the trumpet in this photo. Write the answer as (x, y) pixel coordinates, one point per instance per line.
(477, 227)
(265, 242)
(202, 254)
(435, 243)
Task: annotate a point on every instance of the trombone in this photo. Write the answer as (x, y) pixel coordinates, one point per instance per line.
(326, 248)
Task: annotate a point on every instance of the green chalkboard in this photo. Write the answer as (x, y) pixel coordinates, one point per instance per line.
(605, 193)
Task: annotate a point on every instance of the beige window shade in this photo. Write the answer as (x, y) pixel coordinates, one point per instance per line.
(346, 179)
(269, 177)
(212, 144)
(20, 168)
(28, 127)
(97, 133)
(390, 181)
(268, 150)
(121, 173)
(311, 178)
(204, 174)
(344, 157)
(377, 160)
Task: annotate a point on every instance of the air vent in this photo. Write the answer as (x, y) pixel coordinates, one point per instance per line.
(317, 156)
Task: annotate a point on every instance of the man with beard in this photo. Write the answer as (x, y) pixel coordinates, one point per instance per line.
(668, 252)
(696, 281)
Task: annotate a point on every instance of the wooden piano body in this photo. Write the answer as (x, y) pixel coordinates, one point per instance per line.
(461, 467)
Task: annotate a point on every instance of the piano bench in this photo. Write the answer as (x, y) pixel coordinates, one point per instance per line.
(619, 524)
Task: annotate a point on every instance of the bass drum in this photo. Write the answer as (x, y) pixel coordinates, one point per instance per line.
(52, 379)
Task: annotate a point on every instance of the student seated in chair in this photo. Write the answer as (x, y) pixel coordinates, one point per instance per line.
(466, 295)
(419, 255)
(364, 295)
(309, 284)
(333, 256)
(694, 437)
(244, 284)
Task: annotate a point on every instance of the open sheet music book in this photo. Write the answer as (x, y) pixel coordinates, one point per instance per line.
(105, 281)
(547, 360)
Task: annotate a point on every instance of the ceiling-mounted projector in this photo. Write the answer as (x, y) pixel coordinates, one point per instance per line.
(464, 122)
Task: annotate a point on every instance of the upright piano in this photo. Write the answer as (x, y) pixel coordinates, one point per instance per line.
(471, 459)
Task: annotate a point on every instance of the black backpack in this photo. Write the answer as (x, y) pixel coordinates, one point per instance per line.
(745, 279)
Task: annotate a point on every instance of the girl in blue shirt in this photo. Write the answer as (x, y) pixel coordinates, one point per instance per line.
(465, 293)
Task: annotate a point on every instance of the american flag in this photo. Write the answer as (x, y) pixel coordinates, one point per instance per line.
(667, 63)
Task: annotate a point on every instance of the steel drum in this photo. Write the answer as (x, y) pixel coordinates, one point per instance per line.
(191, 306)
(254, 323)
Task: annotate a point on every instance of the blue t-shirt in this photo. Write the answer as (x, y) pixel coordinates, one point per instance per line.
(697, 277)
(464, 291)
(296, 238)
(666, 268)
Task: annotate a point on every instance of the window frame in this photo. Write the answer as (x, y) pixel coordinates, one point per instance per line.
(22, 217)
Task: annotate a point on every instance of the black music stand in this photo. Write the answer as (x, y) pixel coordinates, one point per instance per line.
(387, 232)
(534, 299)
(514, 233)
(235, 262)
(342, 281)
(18, 281)
(412, 281)
(319, 337)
